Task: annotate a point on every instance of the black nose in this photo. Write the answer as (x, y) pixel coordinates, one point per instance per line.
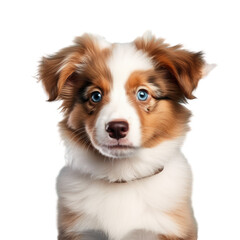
(117, 129)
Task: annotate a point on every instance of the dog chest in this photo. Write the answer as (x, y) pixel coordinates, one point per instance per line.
(119, 208)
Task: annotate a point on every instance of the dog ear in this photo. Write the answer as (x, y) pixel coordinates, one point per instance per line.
(185, 67)
(56, 70)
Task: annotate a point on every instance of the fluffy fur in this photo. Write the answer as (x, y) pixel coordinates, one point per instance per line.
(137, 186)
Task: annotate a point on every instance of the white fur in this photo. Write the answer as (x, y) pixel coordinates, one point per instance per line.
(119, 209)
(141, 235)
(147, 36)
(100, 41)
(207, 69)
(145, 162)
(124, 60)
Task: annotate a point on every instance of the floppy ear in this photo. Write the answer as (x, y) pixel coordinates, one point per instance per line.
(186, 68)
(55, 70)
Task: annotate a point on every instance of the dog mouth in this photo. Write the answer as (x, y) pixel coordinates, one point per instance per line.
(117, 150)
(118, 146)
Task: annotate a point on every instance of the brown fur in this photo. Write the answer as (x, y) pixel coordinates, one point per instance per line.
(67, 83)
(168, 120)
(66, 219)
(48, 70)
(184, 66)
(69, 236)
(190, 237)
(183, 216)
(68, 60)
(161, 119)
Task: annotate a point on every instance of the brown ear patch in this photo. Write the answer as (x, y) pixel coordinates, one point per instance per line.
(54, 70)
(185, 67)
(57, 69)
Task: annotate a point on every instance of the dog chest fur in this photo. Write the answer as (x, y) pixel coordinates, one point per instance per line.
(121, 208)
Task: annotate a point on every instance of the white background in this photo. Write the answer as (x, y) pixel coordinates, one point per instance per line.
(31, 151)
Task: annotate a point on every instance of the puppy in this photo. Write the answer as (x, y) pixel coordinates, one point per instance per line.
(123, 127)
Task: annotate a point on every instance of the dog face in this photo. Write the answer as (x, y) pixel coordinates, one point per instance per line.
(119, 98)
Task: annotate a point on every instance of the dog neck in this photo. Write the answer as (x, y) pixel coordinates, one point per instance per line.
(141, 178)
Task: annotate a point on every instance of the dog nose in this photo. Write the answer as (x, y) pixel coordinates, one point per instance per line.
(117, 129)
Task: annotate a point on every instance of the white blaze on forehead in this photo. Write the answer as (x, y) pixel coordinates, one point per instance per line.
(124, 60)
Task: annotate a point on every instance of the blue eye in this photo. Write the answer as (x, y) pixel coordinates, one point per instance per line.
(96, 96)
(142, 95)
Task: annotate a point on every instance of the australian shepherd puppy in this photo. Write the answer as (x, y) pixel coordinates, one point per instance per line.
(123, 127)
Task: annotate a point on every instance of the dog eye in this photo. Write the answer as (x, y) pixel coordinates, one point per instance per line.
(96, 96)
(142, 95)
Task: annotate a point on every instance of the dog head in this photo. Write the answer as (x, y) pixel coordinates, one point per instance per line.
(119, 98)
